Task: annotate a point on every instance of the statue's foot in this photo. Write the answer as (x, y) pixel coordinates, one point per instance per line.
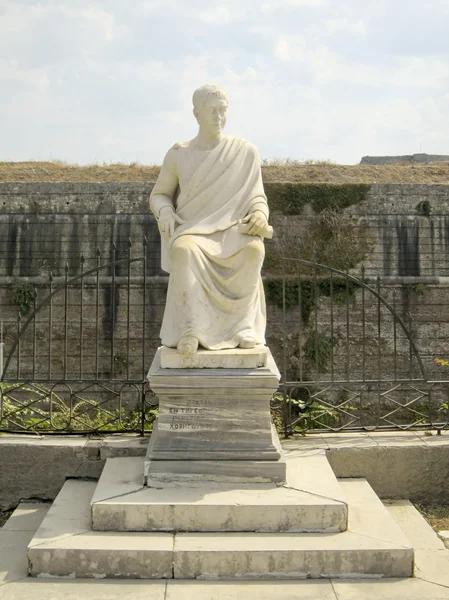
(187, 345)
(247, 343)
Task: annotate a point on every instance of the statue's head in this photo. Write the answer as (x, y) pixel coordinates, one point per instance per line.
(210, 106)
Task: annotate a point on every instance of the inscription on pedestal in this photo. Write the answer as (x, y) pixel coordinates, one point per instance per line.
(205, 416)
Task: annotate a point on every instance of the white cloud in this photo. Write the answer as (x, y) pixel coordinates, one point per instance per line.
(273, 5)
(291, 48)
(218, 15)
(327, 66)
(98, 81)
(36, 79)
(313, 3)
(102, 18)
(345, 24)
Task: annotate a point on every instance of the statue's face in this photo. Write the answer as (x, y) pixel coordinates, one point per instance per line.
(212, 115)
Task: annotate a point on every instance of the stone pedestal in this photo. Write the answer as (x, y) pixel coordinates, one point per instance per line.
(214, 422)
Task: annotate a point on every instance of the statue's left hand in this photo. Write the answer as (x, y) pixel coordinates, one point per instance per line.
(257, 223)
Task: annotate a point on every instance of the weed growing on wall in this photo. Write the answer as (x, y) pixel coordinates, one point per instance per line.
(424, 208)
(331, 238)
(318, 349)
(291, 198)
(120, 363)
(420, 289)
(23, 295)
(304, 294)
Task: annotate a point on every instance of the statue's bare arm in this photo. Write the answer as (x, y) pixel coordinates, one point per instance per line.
(161, 199)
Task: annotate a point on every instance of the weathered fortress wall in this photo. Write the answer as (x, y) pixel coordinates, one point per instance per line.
(421, 158)
(400, 232)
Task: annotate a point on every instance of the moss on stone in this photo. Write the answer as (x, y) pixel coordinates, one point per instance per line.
(307, 293)
(291, 198)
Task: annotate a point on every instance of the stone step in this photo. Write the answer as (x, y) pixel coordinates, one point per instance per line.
(373, 546)
(122, 503)
(65, 546)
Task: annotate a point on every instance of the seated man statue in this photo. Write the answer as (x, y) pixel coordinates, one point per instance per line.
(212, 235)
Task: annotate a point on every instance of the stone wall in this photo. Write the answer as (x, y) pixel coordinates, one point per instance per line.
(400, 232)
(407, 158)
(46, 226)
(402, 466)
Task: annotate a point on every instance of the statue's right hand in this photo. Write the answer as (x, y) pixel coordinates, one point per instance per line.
(168, 220)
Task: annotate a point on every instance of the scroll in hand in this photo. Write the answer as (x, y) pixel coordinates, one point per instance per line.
(256, 224)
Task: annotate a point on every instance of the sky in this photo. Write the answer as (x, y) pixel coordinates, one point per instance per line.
(112, 81)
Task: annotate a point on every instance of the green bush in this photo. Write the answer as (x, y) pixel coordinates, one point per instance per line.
(291, 198)
(23, 295)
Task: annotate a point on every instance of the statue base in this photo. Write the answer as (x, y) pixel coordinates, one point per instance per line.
(235, 358)
(214, 424)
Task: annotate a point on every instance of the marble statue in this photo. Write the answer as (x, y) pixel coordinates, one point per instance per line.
(212, 215)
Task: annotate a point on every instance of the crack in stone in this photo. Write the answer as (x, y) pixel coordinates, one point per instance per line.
(289, 487)
(370, 537)
(432, 582)
(59, 538)
(121, 495)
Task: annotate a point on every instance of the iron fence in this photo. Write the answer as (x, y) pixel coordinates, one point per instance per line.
(77, 356)
(76, 353)
(350, 360)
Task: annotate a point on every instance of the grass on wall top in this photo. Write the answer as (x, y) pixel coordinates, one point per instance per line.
(273, 170)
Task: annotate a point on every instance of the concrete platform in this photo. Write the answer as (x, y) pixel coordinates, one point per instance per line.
(425, 585)
(65, 546)
(122, 503)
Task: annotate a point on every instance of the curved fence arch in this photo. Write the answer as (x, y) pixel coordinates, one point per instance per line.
(350, 360)
(77, 361)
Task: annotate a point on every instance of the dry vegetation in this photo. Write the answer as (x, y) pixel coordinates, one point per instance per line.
(4, 516)
(437, 515)
(287, 170)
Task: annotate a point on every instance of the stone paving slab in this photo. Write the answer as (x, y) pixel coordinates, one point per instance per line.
(399, 589)
(13, 559)
(250, 590)
(27, 517)
(433, 565)
(49, 589)
(328, 441)
(419, 533)
(15, 535)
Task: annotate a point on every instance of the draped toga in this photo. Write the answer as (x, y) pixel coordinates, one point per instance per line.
(215, 290)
